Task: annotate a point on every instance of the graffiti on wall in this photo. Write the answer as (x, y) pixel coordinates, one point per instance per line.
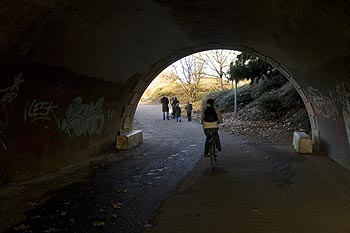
(326, 105)
(110, 113)
(346, 116)
(42, 111)
(10, 93)
(7, 95)
(60, 92)
(82, 118)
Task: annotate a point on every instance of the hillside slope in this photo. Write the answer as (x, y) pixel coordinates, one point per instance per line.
(269, 116)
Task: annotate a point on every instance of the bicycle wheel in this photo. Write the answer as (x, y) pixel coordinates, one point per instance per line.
(212, 152)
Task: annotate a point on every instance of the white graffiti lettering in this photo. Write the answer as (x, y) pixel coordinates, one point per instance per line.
(41, 111)
(83, 118)
(7, 95)
(327, 104)
(10, 93)
(346, 116)
(323, 105)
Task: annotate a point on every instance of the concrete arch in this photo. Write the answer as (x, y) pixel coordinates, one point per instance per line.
(135, 95)
(72, 72)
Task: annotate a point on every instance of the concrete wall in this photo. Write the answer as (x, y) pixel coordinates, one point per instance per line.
(50, 117)
(328, 89)
(72, 72)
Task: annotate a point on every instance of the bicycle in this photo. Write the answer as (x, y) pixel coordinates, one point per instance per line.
(212, 150)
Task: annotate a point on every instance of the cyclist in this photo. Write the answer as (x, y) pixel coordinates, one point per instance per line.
(210, 119)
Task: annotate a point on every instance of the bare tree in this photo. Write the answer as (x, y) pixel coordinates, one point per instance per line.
(217, 62)
(188, 72)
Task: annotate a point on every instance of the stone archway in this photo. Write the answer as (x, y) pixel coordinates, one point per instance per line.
(136, 93)
(110, 51)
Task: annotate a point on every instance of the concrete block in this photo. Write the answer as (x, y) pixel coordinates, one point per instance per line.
(129, 139)
(302, 143)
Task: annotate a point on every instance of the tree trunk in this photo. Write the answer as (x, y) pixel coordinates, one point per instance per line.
(221, 79)
(235, 98)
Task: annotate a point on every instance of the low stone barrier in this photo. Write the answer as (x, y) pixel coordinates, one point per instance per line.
(129, 140)
(302, 143)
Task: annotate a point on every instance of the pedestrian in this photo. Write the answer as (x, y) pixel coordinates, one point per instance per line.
(210, 119)
(178, 112)
(165, 107)
(171, 113)
(189, 111)
(173, 104)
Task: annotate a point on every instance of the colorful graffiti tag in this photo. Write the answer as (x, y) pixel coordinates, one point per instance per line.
(60, 92)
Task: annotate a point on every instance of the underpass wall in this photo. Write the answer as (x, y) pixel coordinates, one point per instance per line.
(51, 117)
(330, 98)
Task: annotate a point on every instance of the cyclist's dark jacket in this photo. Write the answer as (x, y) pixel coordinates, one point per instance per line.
(214, 124)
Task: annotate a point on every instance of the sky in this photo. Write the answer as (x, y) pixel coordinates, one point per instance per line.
(232, 54)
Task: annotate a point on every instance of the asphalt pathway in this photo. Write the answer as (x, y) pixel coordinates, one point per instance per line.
(259, 188)
(121, 194)
(166, 185)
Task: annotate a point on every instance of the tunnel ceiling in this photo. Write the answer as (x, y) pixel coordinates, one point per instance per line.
(84, 64)
(118, 39)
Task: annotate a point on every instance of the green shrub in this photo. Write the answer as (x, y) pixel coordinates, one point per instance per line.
(244, 97)
(271, 106)
(292, 100)
(215, 95)
(268, 83)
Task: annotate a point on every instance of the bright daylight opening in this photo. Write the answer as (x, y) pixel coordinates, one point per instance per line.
(256, 101)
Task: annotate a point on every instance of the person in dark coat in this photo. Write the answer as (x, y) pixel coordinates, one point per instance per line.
(165, 107)
(210, 119)
(178, 112)
(173, 104)
(189, 111)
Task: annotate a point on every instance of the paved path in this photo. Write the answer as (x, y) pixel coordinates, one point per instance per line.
(165, 185)
(121, 194)
(259, 188)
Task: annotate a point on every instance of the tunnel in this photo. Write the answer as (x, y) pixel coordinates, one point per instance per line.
(72, 72)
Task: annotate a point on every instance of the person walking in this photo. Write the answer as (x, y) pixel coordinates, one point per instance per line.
(173, 104)
(210, 119)
(178, 112)
(189, 111)
(165, 107)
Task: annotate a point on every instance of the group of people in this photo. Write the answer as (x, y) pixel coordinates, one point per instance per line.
(210, 118)
(175, 110)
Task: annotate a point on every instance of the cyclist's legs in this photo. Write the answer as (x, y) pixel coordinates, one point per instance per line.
(207, 132)
(206, 146)
(217, 139)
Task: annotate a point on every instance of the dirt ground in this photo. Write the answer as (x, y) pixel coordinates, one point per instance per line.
(262, 131)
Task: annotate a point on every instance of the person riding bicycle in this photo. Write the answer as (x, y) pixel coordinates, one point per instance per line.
(210, 119)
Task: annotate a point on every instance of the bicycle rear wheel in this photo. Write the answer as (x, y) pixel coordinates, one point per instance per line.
(212, 153)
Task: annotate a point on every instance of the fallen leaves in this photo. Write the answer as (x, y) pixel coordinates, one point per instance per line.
(50, 229)
(99, 224)
(21, 227)
(122, 191)
(117, 205)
